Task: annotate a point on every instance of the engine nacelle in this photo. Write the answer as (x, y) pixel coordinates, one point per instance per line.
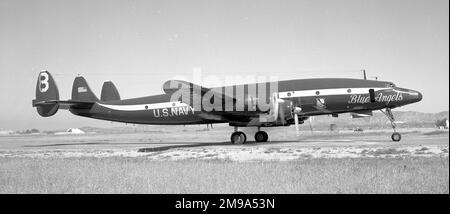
(280, 112)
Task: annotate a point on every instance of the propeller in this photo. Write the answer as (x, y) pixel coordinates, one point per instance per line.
(310, 123)
(278, 111)
(275, 105)
(276, 108)
(296, 111)
(282, 116)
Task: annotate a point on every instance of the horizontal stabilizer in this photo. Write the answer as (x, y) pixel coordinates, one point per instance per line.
(63, 104)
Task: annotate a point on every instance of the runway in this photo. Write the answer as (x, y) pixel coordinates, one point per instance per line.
(213, 145)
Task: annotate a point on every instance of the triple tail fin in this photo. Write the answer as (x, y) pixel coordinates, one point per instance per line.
(47, 100)
(109, 92)
(46, 90)
(82, 92)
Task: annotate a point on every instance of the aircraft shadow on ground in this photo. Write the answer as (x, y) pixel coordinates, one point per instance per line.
(175, 145)
(207, 144)
(172, 145)
(88, 144)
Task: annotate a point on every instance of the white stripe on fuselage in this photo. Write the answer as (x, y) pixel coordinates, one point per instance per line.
(326, 92)
(141, 107)
(304, 93)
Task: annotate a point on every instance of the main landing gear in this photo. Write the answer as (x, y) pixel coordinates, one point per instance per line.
(261, 136)
(395, 136)
(239, 137)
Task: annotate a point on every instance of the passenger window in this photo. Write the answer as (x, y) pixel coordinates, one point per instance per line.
(372, 95)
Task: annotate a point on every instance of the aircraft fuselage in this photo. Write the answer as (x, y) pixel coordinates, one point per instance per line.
(313, 96)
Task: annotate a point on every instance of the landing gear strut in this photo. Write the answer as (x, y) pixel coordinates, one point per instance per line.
(238, 137)
(261, 136)
(395, 136)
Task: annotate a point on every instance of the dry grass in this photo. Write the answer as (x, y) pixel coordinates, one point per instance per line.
(138, 175)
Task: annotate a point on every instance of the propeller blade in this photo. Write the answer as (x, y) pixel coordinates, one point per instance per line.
(297, 131)
(275, 106)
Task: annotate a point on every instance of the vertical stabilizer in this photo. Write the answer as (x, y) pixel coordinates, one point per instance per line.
(46, 90)
(109, 92)
(81, 91)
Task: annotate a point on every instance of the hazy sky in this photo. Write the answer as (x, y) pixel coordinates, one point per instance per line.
(141, 44)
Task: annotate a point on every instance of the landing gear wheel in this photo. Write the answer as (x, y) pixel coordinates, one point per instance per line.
(261, 136)
(396, 136)
(238, 138)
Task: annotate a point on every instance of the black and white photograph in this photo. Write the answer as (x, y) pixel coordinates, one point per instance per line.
(224, 97)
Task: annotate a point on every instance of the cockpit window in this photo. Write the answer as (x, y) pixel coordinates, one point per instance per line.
(403, 89)
(391, 85)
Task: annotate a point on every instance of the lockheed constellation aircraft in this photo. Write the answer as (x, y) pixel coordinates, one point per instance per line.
(280, 103)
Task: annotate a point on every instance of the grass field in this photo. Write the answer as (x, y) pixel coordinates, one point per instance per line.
(139, 175)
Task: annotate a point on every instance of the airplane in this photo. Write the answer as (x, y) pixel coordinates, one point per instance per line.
(288, 102)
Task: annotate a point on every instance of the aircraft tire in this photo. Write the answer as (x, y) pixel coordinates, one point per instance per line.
(238, 138)
(396, 137)
(261, 136)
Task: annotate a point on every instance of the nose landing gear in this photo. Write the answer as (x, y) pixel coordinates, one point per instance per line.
(395, 136)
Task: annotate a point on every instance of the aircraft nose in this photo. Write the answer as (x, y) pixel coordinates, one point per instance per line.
(419, 96)
(413, 96)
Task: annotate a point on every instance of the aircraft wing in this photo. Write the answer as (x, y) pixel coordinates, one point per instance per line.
(173, 86)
